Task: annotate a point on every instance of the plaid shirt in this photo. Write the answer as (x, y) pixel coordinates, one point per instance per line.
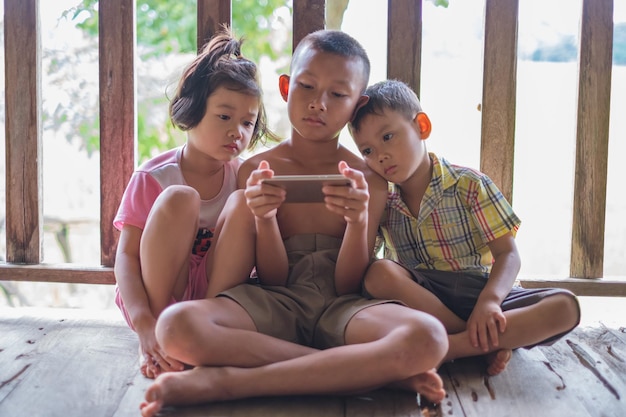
(461, 211)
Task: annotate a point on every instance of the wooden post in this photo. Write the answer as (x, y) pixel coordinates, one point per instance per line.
(308, 16)
(499, 94)
(211, 15)
(592, 138)
(117, 114)
(22, 61)
(404, 42)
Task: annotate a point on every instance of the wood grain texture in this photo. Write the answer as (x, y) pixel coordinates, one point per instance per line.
(404, 42)
(499, 94)
(22, 66)
(211, 15)
(592, 139)
(308, 16)
(74, 363)
(117, 114)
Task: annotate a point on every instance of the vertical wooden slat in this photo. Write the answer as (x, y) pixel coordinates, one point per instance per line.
(308, 16)
(211, 15)
(24, 212)
(499, 93)
(404, 42)
(592, 139)
(117, 113)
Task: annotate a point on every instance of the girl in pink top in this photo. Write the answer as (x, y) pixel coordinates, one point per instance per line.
(171, 205)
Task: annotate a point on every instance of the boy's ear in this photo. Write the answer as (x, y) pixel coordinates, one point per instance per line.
(283, 86)
(360, 103)
(424, 123)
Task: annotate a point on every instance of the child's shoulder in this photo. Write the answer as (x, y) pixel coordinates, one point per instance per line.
(460, 172)
(171, 156)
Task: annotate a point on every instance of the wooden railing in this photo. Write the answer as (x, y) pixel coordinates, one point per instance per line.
(117, 123)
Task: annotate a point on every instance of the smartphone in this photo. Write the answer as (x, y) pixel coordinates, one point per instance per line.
(306, 188)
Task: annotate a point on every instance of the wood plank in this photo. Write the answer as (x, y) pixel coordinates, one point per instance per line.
(592, 139)
(22, 66)
(211, 15)
(499, 94)
(383, 403)
(494, 396)
(311, 406)
(308, 16)
(64, 378)
(609, 287)
(71, 273)
(117, 114)
(78, 362)
(404, 42)
(597, 385)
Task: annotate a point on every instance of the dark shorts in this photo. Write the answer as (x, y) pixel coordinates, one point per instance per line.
(307, 310)
(459, 292)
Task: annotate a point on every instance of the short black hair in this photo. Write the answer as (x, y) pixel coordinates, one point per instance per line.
(335, 42)
(389, 94)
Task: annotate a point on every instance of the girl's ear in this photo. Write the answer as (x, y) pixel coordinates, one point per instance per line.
(283, 86)
(424, 123)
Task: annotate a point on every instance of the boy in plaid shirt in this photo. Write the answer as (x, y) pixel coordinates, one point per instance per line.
(449, 239)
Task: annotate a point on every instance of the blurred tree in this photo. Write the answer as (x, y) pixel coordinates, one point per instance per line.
(158, 40)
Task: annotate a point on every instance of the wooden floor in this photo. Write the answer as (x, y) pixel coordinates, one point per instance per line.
(75, 363)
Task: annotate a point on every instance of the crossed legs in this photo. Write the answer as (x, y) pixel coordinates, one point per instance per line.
(526, 326)
(386, 343)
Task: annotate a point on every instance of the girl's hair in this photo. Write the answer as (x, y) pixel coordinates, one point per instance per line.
(219, 64)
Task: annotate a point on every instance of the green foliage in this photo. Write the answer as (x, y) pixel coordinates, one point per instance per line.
(167, 27)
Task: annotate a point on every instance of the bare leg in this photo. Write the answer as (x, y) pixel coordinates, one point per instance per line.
(386, 343)
(386, 279)
(164, 251)
(219, 332)
(234, 234)
(525, 326)
(166, 244)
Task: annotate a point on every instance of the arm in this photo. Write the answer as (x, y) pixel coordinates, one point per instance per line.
(263, 200)
(359, 238)
(130, 283)
(487, 318)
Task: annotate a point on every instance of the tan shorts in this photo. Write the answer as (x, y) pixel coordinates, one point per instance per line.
(307, 310)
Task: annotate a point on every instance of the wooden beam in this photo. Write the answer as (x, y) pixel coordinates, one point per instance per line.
(592, 138)
(69, 273)
(499, 93)
(404, 42)
(22, 62)
(308, 16)
(117, 113)
(604, 287)
(211, 15)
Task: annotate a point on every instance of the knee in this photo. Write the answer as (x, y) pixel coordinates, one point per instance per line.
(567, 309)
(423, 346)
(380, 278)
(236, 207)
(180, 201)
(175, 330)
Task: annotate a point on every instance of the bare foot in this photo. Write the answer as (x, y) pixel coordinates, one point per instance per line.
(195, 386)
(498, 360)
(428, 384)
